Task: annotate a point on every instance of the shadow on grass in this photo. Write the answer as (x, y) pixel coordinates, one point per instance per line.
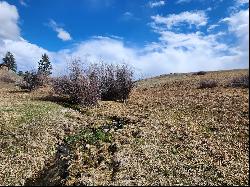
(61, 101)
(19, 91)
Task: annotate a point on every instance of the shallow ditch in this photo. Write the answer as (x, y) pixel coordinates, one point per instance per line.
(56, 171)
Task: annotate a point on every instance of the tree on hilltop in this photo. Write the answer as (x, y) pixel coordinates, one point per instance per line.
(10, 62)
(44, 65)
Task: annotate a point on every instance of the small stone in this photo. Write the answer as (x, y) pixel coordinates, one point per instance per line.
(87, 146)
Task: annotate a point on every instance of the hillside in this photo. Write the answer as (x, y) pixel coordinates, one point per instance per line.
(7, 76)
(169, 132)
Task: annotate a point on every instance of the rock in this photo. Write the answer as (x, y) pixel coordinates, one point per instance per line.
(113, 148)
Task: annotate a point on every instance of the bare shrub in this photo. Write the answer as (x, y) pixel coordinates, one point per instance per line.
(97, 81)
(242, 81)
(79, 87)
(115, 82)
(207, 84)
(30, 81)
(124, 82)
(43, 79)
(200, 73)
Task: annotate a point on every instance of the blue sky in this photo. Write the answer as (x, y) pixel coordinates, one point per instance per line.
(155, 37)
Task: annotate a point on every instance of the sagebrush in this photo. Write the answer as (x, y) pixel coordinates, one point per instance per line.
(241, 81)
(207, 84)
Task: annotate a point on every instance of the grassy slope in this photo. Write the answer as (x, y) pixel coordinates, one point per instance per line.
(168, 133)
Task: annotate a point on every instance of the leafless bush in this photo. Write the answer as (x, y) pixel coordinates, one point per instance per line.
(200, 73)
(79, 87)
(30, 81)
(43, 79)
(242, 81)
(124, 81)
(103, 81)
(207, 84)
(115, 82)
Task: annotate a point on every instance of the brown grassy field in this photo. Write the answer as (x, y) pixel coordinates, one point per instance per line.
(169, 132)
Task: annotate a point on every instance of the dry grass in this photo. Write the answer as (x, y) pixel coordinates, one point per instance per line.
(167, 133)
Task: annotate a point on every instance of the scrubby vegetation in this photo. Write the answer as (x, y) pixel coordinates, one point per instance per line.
(115, 82)
(167, 132)
(200, 73)
(86, 87)
(79, 87)
(241, 81)
(207, 84)
(37, 78)
(30, 81)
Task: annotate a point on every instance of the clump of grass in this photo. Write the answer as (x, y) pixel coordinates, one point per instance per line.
(89, 136)
(242, 81)
(207, 84)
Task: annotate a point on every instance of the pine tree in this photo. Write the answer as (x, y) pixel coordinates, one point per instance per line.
(44, 65)
(10, 61)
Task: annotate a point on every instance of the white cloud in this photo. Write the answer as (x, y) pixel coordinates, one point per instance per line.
(61, 33)
(209, 9)
(173, 52)
(183, 1)
(129, 16)
(197, 18)
(212, 27)
(9, 21)
(27, 54)
(156, 4)
(242, 2)
(239, 25)
(23, 3)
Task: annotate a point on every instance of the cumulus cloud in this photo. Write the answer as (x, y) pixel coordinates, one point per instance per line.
(9, 21)
(172, 52)
(197, 18)
(26, 53)
(239, 25)
(61, 33)
(156, 4)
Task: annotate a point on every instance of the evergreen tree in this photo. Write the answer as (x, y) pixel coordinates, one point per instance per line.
(44, 65)
(10, 61)
(20, 73)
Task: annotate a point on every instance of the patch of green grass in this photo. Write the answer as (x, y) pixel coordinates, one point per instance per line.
(28, 111)
(90, 136)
